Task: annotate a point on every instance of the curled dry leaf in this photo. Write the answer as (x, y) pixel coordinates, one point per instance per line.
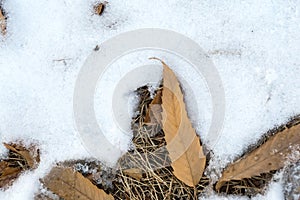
(19, 159)
(272, 155)
(183, 144)
(2, 22)
(99, 8)
(8, 174)
(31, 155)
(70, 185)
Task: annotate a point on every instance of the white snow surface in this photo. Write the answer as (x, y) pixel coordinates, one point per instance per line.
(254, 45)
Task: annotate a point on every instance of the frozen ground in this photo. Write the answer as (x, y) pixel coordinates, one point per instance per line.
(255, 46)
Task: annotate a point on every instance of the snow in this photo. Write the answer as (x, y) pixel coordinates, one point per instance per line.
(275, 191)
(253, 44)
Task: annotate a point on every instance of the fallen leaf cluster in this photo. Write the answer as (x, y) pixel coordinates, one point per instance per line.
(248, 175)
(167, 161)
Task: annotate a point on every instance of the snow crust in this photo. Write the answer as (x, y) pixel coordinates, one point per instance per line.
(254, 45)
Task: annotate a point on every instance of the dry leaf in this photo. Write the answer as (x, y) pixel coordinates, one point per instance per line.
(19, 159)
(271, 155)
(99, 8)
(8, 174)
(2, 22)
(71, 185)
(31, 155)
(154, 111)
(183, 144)
(134, 173)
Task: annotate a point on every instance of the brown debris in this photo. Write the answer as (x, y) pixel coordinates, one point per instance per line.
(100, 7)
(2, 21)
(19, 159)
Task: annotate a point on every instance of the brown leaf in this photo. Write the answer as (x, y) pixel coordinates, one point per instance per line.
(153, 114)
(99, 8)
(183, 144)
(19, 159)
(71, 185)
(31, 155)
(134, 173)
(2, 22)
(271, 155)
(8, 174)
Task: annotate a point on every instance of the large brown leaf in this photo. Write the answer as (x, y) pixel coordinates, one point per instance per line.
(72, 185)
(183, 144)
(272, 155)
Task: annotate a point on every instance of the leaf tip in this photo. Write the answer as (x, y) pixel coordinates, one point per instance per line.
(155, 58)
